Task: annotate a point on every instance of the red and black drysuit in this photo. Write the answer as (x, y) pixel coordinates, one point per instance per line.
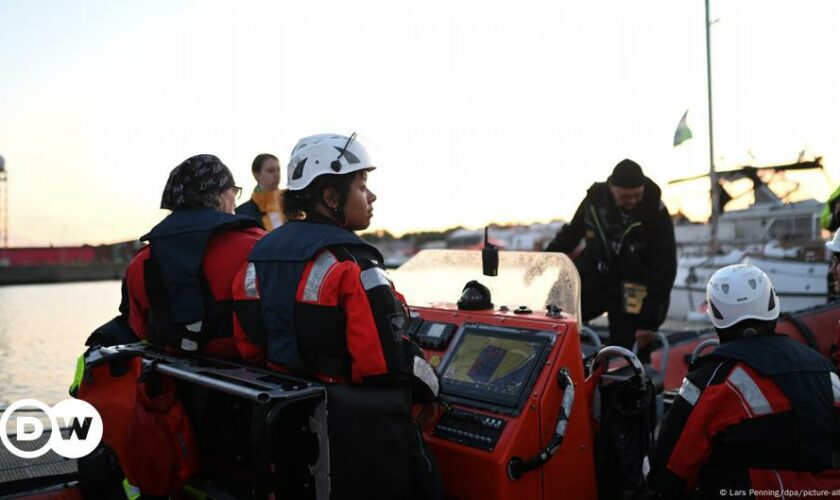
(755, 418)
(315, 299)
(177, 290)
(176, 293)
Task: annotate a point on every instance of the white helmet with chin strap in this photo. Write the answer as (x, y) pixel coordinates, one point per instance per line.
(740, 292)
(325, 154)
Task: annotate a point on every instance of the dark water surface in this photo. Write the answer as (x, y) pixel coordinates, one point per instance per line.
(42, 331)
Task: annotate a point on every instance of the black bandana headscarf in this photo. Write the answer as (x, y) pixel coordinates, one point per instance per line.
(196, 183)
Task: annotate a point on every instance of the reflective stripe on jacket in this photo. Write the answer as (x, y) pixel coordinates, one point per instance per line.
(770, 423)
(341, 313)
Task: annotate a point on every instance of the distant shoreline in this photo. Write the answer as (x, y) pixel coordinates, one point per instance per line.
(60, 273)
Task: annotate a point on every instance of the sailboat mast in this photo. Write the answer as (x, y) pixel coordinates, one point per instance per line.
(715, 191)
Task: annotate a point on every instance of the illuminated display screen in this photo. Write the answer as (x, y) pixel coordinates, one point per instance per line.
(493, 365)
(435, 330)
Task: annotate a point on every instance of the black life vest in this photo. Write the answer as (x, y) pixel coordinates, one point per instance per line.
(279, 260)
(374, 446)
(183, 312)
(250, 209)
(804, 377)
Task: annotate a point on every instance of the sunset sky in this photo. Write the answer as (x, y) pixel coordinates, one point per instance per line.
(475, 111)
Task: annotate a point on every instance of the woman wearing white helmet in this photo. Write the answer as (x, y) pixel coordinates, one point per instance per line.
(762, 412)
(327, 182)
(315, 299)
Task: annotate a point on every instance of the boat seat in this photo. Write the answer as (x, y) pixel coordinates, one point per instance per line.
(258, 432)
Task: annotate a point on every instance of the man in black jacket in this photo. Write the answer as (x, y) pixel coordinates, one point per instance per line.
(628, 265)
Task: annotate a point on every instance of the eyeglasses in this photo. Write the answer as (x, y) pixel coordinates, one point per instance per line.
(237, 191)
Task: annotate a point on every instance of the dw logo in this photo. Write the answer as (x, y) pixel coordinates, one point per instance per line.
(82, 421)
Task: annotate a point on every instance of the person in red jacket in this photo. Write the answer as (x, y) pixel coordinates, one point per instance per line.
(177, 289)
(315, 299)
(757, 418)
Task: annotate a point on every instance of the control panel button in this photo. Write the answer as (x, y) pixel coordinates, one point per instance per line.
(470, 428)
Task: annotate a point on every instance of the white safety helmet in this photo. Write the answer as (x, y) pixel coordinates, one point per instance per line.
(325, 154)
(834, 244)
(740, 292)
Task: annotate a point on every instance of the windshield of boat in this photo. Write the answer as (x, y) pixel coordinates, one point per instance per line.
(531, 279)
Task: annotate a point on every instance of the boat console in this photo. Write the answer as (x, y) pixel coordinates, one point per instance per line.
(509, 374)
(489, 368)
(500, 374)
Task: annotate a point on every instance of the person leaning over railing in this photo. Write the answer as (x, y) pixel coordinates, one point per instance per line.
(628, 264)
